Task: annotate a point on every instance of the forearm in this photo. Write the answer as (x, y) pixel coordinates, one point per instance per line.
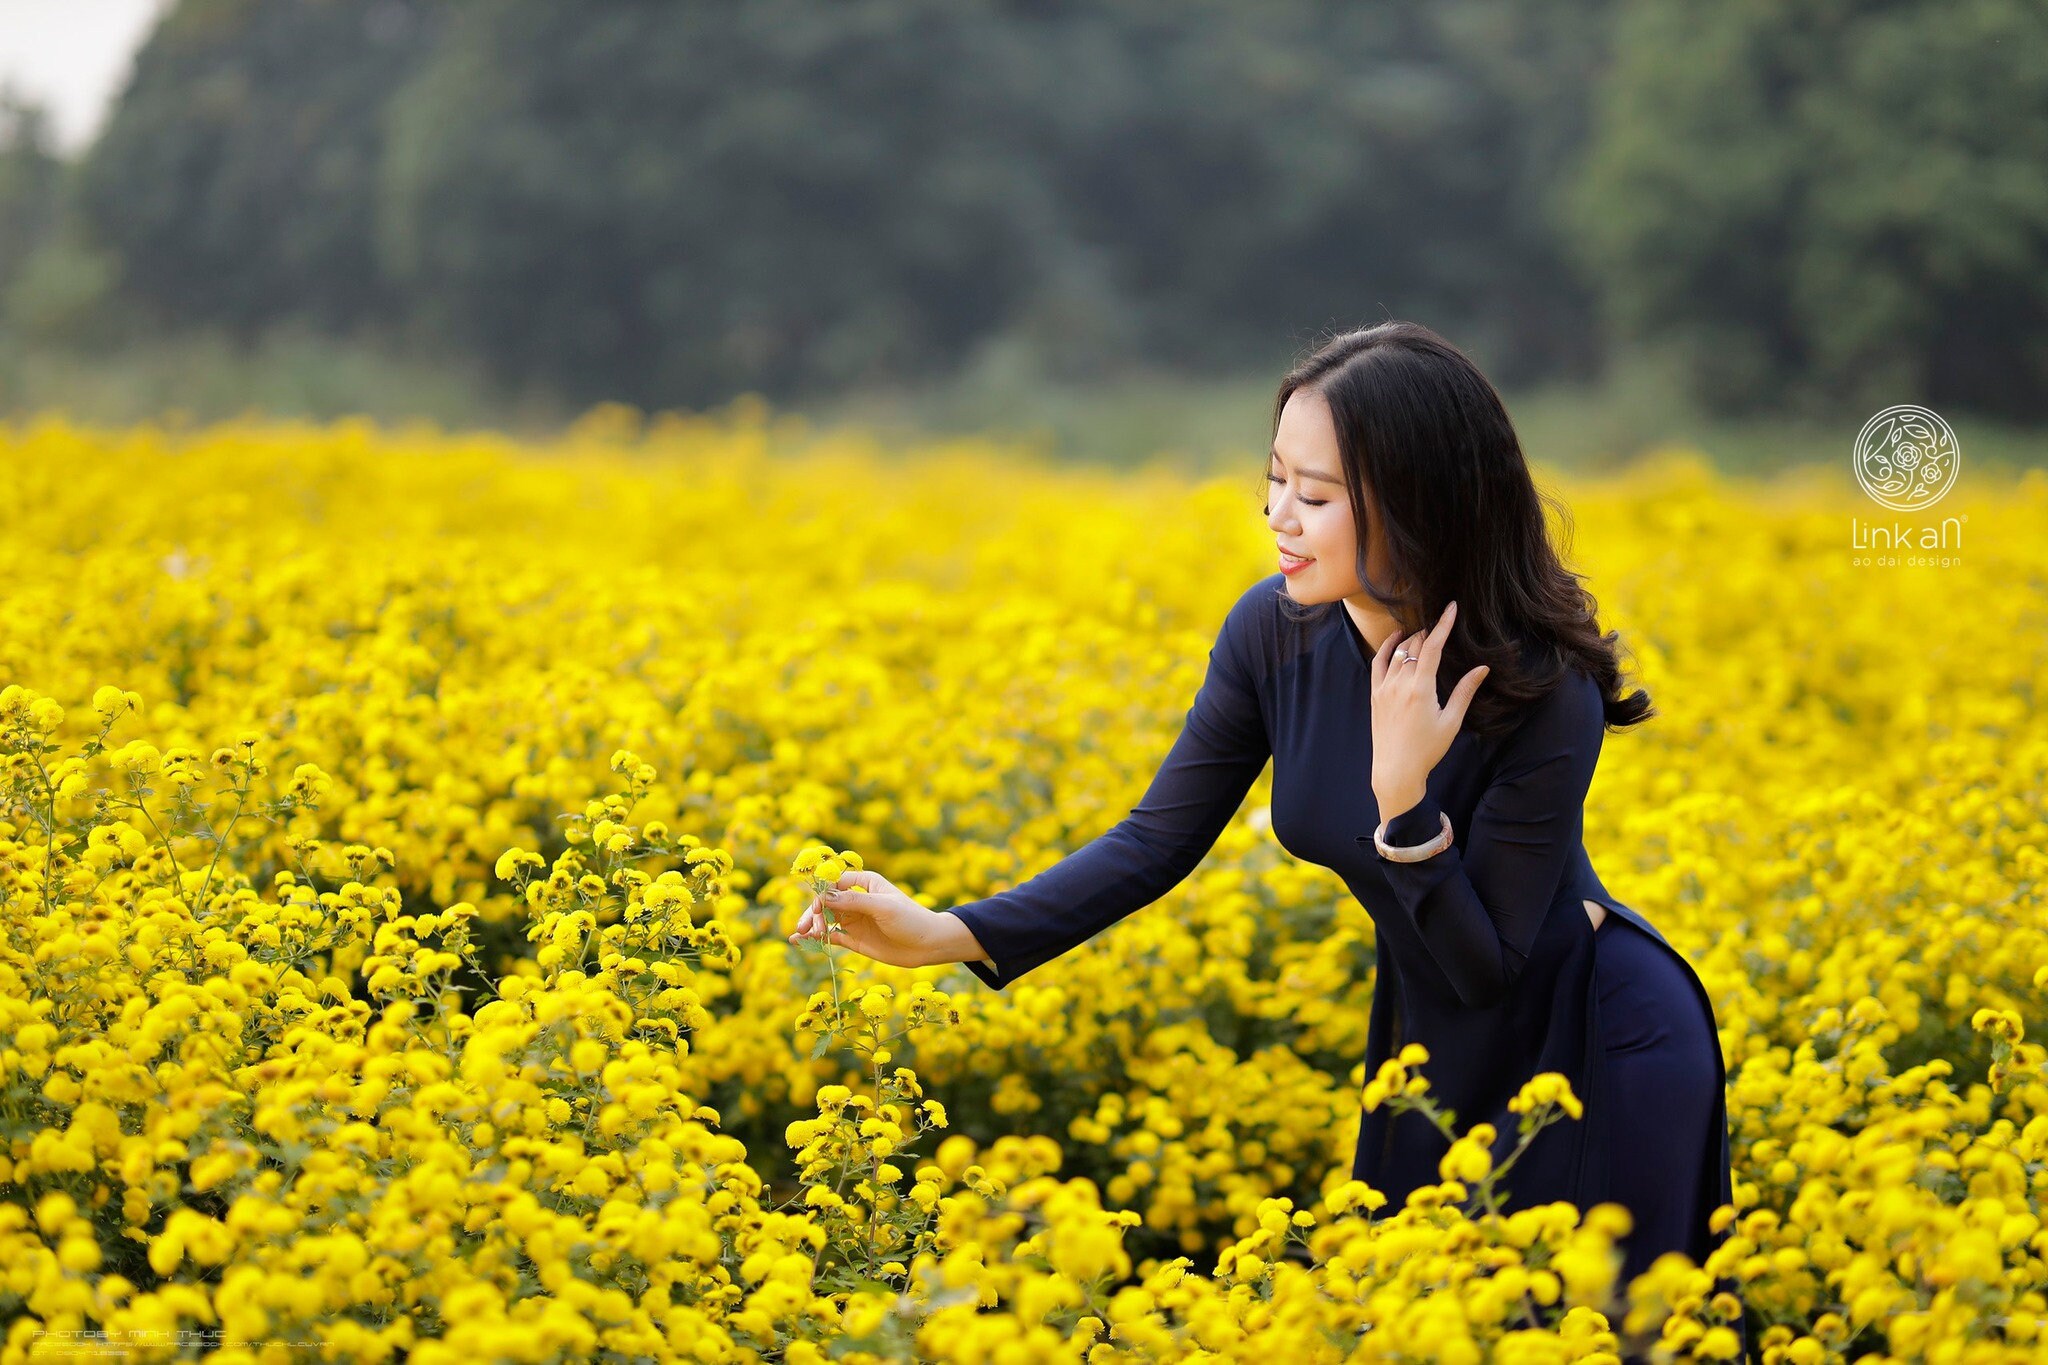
(1479, 903)
(1397, 797)
(1437, 897)
(955, 942)
(1072, 901)
(1221, 749)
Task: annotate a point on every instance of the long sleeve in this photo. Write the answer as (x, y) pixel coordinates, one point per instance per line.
(1478, 904)
(1222, 748)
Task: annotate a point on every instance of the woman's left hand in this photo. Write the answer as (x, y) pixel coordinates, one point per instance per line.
(1410, 732)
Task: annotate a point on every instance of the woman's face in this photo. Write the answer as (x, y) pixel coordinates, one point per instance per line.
(1309, 509)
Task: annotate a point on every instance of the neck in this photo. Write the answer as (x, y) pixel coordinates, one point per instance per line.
(1372, 621)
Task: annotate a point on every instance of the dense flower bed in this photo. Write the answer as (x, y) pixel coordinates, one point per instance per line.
(401, 831)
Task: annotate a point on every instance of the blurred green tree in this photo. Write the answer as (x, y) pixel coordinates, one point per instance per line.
(1808, 206)
(236, 178)
(669, 202)
(30, 175)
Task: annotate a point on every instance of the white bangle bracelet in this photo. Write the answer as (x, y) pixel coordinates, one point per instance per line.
(1414, 853)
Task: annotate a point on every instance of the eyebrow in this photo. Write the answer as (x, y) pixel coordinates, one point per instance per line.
(1310, 473)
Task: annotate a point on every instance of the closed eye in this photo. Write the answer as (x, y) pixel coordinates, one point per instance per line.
(1306, 502)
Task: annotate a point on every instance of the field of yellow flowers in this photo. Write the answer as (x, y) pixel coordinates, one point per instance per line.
(401, 833)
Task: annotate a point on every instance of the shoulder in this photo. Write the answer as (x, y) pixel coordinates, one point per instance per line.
(1254, 619)
(1258, 606)
(1251, 626)
(1570, 717)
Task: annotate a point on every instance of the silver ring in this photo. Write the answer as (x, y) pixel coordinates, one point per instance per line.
(1402, 656)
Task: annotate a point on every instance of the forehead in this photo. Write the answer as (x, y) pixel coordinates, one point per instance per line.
(1306, 438)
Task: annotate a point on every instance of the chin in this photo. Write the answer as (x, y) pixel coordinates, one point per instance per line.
(1309, 596)
(1300, 594)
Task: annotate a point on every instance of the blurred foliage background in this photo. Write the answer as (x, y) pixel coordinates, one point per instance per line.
(1744, 226)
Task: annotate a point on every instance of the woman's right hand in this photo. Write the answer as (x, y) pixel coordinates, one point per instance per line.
(878, 921)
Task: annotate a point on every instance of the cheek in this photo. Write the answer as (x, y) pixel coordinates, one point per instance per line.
(1335, 538)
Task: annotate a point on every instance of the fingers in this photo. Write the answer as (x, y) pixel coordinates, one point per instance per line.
(812, 925)
(1461, 695)
(1412, 647)
(847, 897)
(1381, 655)
(1433, 645)
(809, 923)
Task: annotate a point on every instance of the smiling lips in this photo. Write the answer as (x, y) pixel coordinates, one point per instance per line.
(1293, 563)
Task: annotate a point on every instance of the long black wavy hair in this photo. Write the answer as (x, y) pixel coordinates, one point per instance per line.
(1423, 429)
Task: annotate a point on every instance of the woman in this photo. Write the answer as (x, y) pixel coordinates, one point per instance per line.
(1498, 947)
